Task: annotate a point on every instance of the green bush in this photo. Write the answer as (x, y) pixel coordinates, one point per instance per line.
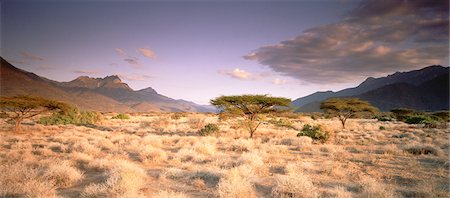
(71, 117)
(402, 114)
(315, 132)
(282, 123)
(209, 129)
(443, 115)
(121, 116)
(419, 119)
(384, 117)
(382, 128)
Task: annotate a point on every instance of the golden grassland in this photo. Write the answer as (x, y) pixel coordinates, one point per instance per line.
(161, 155)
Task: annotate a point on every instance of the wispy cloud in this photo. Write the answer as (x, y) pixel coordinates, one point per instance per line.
(120, 51)
(30, 56)
(82, 71)
(238, 74)
(133, 61)
(378, 37)
(147, 52)
(18, 62)
(241, 74)
(278, 81)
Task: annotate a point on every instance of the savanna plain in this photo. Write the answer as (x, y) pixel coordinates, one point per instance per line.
(163, 155)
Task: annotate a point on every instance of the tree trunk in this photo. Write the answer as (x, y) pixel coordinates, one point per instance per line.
(18, 126)
(342, 119)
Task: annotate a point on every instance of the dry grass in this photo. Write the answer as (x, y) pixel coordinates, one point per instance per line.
(161, 155)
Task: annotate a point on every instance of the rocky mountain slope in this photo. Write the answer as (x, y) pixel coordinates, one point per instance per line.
(100, 94)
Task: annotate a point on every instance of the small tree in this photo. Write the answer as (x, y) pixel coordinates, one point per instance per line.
(250, 107)
(345, 108)
(18, 108)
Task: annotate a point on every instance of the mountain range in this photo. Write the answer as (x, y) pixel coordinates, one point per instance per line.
(426, 89)
(107, 94)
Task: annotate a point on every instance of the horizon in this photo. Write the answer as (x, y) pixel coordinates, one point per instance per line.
(251, 47)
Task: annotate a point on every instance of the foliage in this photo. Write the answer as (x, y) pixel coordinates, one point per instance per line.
(18, 108)
(429, 121)
(209, 129)
(382, 128)
(71, 117)
(345, 108)
(443, 115)
(315, 132)
(121, 116)
(401, 114)
(282, 123)
(383, 118)
(250, 107)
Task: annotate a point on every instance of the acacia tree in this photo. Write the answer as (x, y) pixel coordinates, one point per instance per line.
(250, 107)
(18, 108)
(345, 108)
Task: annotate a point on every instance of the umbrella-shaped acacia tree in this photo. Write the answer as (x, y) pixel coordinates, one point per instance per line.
(250, 107)
(345, 108)
(18, 108)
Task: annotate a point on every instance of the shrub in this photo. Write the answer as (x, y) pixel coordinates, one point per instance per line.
(71, 117)
(384, 117)
(443, 115)
(402, 113)
(419, 119)
(314, 132)
(209, 129)
(282, 123)
(233, 185)
(63, 174)
(422, 149)
(382, 128)
(294, 186)
(121, 116)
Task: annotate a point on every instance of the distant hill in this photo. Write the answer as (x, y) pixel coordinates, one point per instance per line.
(425, 89)
(100, 94)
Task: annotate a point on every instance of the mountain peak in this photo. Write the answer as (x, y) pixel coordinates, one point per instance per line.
(112, 78)
(112, 81)
(148, 90)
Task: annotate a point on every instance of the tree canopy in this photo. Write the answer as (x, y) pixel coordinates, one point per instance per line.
(345, 108)
(250, 106)
(18, 108)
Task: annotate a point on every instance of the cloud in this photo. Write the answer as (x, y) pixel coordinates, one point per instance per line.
(120, 51)
(82, 71)
(278, 81)
(18, 62)
(238, 74)
(134, 77)
(133, 61)
(30, 56)
(245, 75)
(378, 37)
(147, 53)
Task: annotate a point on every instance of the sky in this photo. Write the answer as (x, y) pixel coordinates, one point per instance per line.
(199, 50)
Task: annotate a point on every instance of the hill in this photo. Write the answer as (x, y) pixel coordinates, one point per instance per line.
(99, 94)
(424, 89)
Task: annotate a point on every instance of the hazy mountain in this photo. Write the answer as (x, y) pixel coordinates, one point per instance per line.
(423, 89)
(100, 94)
